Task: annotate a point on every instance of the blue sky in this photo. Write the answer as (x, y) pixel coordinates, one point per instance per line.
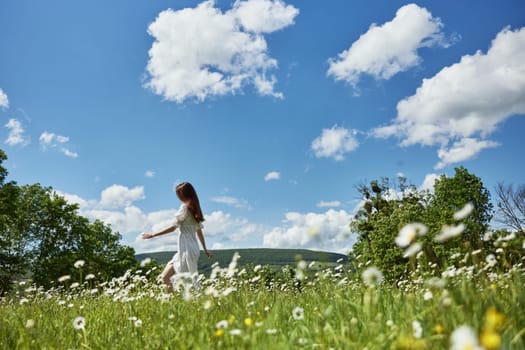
(274, 110)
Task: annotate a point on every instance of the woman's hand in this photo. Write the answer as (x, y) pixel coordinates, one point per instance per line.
(147, 235)
(208, 253)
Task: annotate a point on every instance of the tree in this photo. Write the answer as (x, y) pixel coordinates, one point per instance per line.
(511, 206)
(387, 210)
(42, 235)
(60, 237)
(12, 256)
(384, 212)
(451, 194)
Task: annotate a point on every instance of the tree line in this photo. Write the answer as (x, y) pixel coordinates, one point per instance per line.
(42, 236)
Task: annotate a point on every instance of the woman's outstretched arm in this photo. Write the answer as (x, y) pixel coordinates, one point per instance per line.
(147, 235)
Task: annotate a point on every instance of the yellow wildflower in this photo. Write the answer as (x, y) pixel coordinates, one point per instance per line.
(493, 319)
(438, 329)
(490, 340)
(219, 332)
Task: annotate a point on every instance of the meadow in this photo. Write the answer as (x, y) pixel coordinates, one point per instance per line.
(465, 307)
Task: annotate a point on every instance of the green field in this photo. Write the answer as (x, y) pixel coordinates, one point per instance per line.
(331, 308)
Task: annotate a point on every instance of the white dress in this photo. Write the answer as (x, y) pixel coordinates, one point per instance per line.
(187, 256)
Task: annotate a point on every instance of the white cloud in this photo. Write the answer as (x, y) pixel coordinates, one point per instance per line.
(4, 101)
(324, 204)
(131, 218)
(74, 199)
(264, 16)
(335, 142)
(272, 175)
(428, 182)
(49, 139)
(327, 231)
(465, 102)
(466, 148)
(232, 201)
(16, 133)
(201, 52)
(52, 139)
(386, 50)
(118, 196)
(69, 153)
(149, 173)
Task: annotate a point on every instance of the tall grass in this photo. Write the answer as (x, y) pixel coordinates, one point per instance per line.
(328, 309)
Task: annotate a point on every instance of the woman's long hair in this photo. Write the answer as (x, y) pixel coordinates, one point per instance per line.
(186, 193)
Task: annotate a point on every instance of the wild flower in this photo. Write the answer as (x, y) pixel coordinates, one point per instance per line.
(271, 331)
(409, 232)
(298, 313)
(30, 323)
(221, 324)
(79, 323)
(23, 301)
(219, 332)
(64, 278)
(207, 305)
(79, 263)
(413, 249)
(231, 319)
(89, 277)
(372, 276)
(428, 295)
(235, 332)
(75, 285)
(145, 262)
(464, 338)
(490, 340)
(417, 330)
(448, 232)
(464, 212)
(232, 268)
(491, 260)
(493, 319)
(438, 329)
(248, 322)
(228, 291)
(138, 323)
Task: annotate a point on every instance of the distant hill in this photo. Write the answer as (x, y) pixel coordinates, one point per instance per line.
(258, 256)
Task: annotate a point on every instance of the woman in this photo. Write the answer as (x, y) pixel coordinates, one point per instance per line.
(188, 220)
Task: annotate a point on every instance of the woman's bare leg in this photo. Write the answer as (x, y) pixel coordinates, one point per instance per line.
(166, 276)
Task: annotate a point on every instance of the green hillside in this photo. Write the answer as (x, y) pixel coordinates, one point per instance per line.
(256, 256)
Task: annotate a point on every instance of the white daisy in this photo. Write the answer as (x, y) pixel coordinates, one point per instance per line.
(79, 323)
(79, 263)
(372, 276)
(298, 313)
(464, 212)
